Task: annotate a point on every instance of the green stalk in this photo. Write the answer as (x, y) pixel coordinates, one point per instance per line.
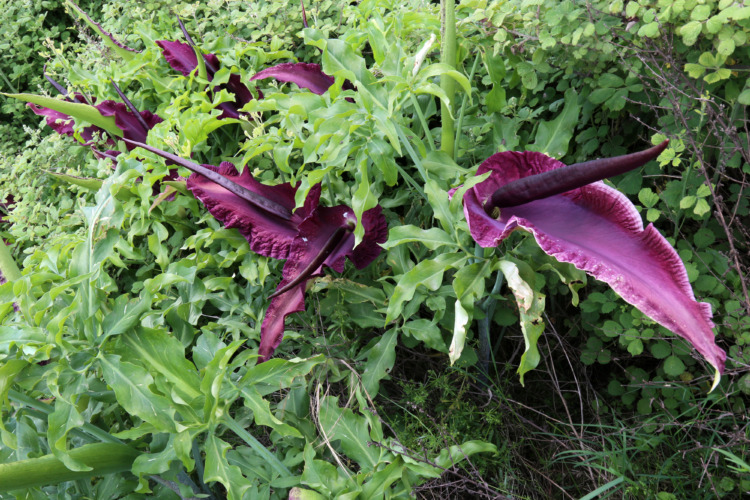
(103, 458)
(256, 445)
(8, 267)
(448, 57)
(460, 124)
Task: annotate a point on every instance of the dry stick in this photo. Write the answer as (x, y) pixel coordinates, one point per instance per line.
(698, 152)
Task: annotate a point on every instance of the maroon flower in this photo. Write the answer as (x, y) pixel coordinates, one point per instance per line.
(594, 227)
(308, 238)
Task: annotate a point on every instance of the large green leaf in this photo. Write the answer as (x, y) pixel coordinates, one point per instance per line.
(163, 354)
(276, 374)
(431, 238)
(218, 469)
(380, 359)
(530, 307)
(352, 431)
(80, 111)
(428, 273)
(553, 137)
(132, 386)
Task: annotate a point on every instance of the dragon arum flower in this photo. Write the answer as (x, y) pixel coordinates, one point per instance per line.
(110, 119)
(575, 218)
(308, 238)
(183, 57)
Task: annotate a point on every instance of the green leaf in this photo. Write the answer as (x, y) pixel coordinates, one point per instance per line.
(217, 468)
(553, 137)
(635, 347)
(695, 70)
(690, 32)
(297, 493)
(648, 197)
(718, 75)
(89, 183)
(457, 453)
(650, 30)
(600, 95)
(277, 374)
(164, 354)
(468, 285)
(132, 386)
(660, 349)
(125, 315)
(382, 480)
(700, 12)
(687, 202)
(673, 366)
(382, 156)
(428, 273)
(262, 413)
(440, 203)
(341, 424)
(701, 207)
(380, 359)
(530, 308)
(427, 332)
(707, 59)
(440, 69)
(77, 110)
(431, 238)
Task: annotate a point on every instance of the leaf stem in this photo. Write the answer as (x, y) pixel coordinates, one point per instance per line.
(422, 121)
(256, 445)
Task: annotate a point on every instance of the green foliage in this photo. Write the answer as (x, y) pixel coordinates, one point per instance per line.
(139, 316)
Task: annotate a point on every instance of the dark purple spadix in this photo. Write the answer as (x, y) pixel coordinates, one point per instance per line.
(561, 180)
(241, 191)
(338, 236)
(132, 108)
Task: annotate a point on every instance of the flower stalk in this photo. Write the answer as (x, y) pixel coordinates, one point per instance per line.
(102, 458)
(447, 57)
